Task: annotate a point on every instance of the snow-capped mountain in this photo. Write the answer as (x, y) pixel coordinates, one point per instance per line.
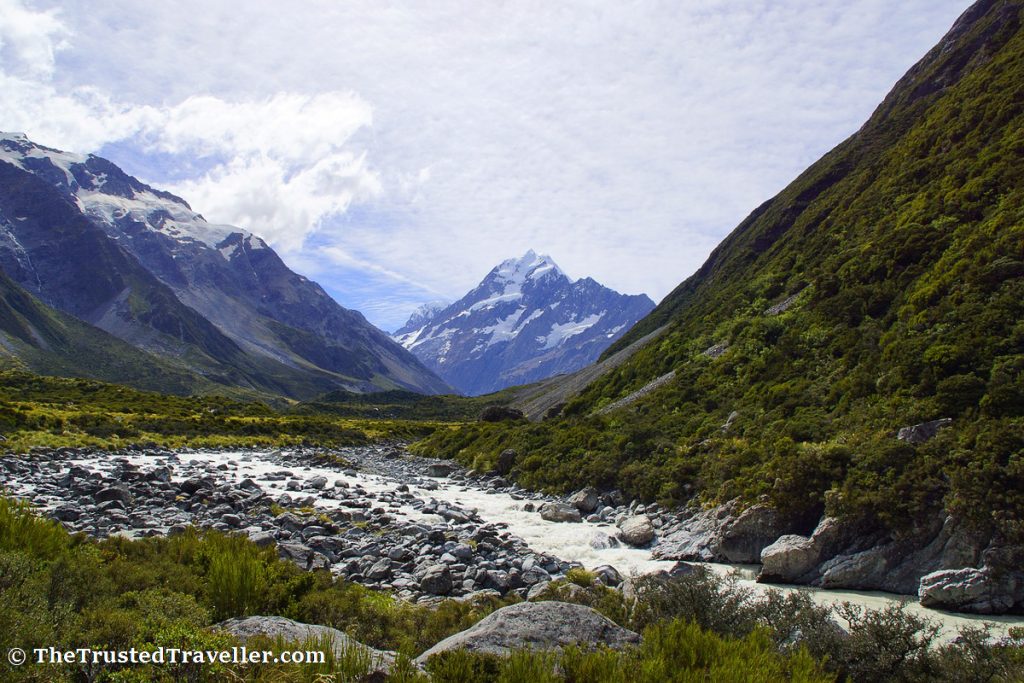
(88, 239)
(524, 322)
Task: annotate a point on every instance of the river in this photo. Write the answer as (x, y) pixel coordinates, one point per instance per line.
(567, 541)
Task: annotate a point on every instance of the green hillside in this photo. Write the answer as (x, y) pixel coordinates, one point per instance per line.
(35, 337)
(900, 255)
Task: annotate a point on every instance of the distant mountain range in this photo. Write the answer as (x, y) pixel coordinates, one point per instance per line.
(210, 304)
(525, 321)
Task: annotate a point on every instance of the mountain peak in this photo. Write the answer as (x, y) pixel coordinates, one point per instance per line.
(526, 321)
(529, 266)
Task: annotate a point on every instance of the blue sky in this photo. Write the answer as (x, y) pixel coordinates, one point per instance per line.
(396, 152)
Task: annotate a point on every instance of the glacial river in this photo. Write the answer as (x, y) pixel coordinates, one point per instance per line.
(568, 541)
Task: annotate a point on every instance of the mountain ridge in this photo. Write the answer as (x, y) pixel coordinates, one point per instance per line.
(212, 299)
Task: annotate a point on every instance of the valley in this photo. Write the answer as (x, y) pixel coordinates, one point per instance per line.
(805, 462)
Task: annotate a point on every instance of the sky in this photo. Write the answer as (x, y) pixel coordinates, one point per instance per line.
(395, 152)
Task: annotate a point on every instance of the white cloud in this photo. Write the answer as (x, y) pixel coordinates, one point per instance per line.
(282, 164)
(29, 40)
(288, 164)
(429, 141)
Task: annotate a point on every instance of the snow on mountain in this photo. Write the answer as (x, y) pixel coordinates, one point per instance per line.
(284, 325)
(524, 322)
(104, 192)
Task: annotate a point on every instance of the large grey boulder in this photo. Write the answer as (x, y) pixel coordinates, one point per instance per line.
(636, 531)
(536, 625)
(792, 557)
(979, 591)
(437, 580)
(743, 538)
(118, 493)
(299, 633)
(506, 461)
(585, 500)
(439, 469)
(602, 541)
(559, 512)
(920, 433)
(857, 570)
(789, 558)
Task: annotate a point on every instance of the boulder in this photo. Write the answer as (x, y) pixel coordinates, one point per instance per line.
(602, 541)
(262, 538)
(193, 484)
(439, 469)
(500, 414)
(585, 500)
(636, 531)
(118, 493)
(857, 570)
(743, 538)
(506, 461)
(231, 519)
(437, 580)
(318, 482)
(559, 512)
(295, 552)
(716, 350)
(536, 625)
(792, 556)
(380, 570)
(608, 575)
(66, 513)
(789, 558)
(980, 591)
(381, 661)
(726, 533)
(920, 433)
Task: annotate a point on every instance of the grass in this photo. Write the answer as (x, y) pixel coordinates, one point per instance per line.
(52, 412)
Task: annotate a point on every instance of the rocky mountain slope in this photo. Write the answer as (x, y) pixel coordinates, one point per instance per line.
(43, 340)
(93, 242)
(882, 289)
(525, 322)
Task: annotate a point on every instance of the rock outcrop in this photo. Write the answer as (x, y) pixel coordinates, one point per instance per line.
(585, 500)
(792, 558)
(726, 533)
(920, 433)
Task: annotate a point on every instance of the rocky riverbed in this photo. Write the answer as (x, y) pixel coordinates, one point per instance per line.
(430, 530)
